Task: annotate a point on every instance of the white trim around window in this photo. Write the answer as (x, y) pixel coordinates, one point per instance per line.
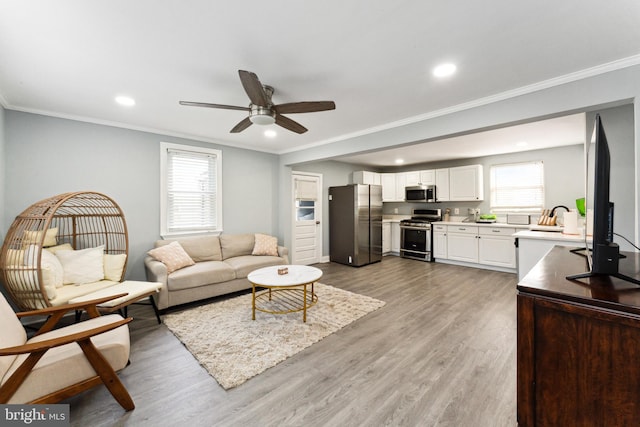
(190, 190)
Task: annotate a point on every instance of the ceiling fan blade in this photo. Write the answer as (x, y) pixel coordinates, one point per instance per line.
(204, 104)
(254, 88)
(245, 123)
(287, 123)
(305, 107)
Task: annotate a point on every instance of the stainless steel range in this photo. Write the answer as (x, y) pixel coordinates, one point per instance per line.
(416, 234)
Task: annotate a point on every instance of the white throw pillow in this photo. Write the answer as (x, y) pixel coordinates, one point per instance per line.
(113, 266)
(52, 271)
(82, 266)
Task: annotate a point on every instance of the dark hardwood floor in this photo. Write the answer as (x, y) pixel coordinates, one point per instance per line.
(441, 352)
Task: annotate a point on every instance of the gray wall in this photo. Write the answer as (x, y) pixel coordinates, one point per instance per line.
(46, 156)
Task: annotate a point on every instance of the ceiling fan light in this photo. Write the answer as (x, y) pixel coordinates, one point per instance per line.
(262, 119)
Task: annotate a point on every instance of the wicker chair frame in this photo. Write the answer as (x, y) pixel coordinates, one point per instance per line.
(83, 219)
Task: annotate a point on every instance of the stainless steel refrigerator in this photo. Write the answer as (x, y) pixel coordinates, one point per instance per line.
(355, 224)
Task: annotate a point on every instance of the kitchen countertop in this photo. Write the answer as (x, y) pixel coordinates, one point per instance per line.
(394, 218)
(480, 224)
(549, 235)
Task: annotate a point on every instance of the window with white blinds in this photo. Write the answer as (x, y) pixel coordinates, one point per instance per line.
(191, 190)
(517, 187)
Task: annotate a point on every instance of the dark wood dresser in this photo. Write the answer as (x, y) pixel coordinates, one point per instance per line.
(578, 345)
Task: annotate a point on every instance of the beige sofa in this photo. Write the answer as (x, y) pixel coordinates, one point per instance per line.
(220, 266)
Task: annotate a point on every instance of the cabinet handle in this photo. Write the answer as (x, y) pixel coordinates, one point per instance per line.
(495, 231)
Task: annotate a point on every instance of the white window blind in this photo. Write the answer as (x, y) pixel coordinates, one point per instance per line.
(191, 192)
(517, 187)
(306, 190)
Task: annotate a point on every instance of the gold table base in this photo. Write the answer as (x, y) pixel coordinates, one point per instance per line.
(283, 299)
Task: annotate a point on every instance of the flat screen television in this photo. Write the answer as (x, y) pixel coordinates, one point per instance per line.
(603, 258)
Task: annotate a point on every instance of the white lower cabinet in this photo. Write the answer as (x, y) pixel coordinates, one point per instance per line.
(490, 246)
(462, 243)
(395, 237)
(496, 247)
(386, 237)
(440, 241)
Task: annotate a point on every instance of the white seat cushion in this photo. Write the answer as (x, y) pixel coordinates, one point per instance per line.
(68, 292)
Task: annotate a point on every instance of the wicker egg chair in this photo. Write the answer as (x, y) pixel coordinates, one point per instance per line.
(82, 219)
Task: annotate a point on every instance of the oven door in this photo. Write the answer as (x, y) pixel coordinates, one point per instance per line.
(415, 242)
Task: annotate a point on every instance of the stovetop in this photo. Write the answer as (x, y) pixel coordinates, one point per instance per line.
(423, 217)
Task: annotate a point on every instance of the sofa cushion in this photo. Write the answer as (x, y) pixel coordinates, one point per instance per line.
(234, 245)
(200, 274)
(245, 264)
(199, 248)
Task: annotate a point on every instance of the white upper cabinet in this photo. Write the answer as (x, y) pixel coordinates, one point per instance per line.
(462, 183)
(442, 185)
(366, 177)
(428, 177)
(401, 183)
(388, 181)
(411, 178)
(466, 183)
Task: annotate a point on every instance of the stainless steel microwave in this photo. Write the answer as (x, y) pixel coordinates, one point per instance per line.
(420, 193)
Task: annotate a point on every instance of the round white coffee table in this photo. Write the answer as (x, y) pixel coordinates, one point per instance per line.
(284, 293)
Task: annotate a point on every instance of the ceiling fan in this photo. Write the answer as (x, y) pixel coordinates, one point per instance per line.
(262, 111)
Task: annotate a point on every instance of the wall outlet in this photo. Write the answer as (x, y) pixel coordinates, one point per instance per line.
(395, 210)
(456, 211)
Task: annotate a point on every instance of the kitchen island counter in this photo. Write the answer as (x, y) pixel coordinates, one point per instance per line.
(534, 245)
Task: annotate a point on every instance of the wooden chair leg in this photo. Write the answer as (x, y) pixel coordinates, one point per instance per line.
(107, 374)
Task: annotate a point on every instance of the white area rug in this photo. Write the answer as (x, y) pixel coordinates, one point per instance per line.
(234, 348)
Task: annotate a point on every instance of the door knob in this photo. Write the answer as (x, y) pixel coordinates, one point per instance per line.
(317, 222)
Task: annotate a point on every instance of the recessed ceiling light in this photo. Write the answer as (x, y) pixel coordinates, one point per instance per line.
(127, 101)
(270, 133)
(444, 70)
(399, 161)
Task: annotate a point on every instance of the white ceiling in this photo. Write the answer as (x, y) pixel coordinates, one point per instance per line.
(70, 58)
(557, 132)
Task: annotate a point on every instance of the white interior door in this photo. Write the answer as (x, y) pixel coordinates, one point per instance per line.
(307, 213)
